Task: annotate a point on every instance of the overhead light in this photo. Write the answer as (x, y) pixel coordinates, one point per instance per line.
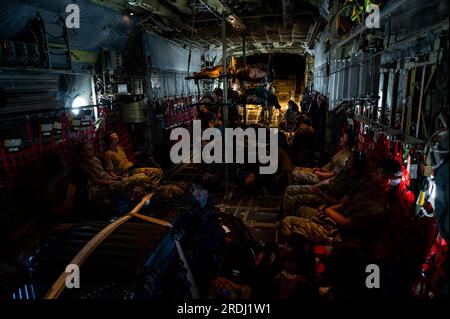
(236, 23)
(131, 13)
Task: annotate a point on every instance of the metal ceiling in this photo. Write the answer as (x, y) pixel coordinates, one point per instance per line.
(285, 26)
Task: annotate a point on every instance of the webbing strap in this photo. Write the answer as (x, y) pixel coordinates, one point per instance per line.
(152, 220)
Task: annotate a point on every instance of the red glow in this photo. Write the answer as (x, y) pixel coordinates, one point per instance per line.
(428, 207)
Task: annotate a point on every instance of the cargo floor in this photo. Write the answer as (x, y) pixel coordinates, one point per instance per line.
(259, 213)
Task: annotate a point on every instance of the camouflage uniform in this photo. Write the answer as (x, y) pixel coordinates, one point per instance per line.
(105, 193)
(118, 162)
(314, 226)
(297, 195)
(305, 175)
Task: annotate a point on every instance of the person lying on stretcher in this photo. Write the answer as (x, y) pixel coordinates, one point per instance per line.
(249, 73)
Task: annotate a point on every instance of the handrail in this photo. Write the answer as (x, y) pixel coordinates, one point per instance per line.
(58, 287)
(47, 111)
(60, 284)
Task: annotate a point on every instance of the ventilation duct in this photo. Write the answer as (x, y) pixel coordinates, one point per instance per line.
(28, 92)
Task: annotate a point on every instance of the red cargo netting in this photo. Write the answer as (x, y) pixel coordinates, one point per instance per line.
(26, 163)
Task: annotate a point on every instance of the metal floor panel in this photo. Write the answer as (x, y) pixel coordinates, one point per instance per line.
(264, 234)
(259, 213)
